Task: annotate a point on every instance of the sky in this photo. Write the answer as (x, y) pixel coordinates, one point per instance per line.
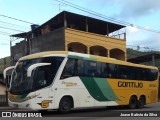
(145, 14)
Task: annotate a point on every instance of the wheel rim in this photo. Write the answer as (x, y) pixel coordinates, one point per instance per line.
(141, 102)
(65, 105)
(133, 103)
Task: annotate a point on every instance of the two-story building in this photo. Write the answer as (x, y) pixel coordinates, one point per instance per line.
(72, 32)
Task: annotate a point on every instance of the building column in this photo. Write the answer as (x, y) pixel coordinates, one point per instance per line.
(108, 53)
(65, 20)
(107, 31)
(86, 25)
(125, 57)
(66, 47)
(88, 50)
(153, 60)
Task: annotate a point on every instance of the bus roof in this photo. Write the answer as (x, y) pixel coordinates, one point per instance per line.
(85, 56)
(43, 54)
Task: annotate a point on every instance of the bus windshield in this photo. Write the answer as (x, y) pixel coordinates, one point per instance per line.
(41, 76)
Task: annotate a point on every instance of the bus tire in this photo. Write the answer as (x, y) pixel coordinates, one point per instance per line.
(141, 102)
(65, 105)
(133, 102)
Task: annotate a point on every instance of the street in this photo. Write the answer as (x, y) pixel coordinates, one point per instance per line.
(103, 112)
(100, 113)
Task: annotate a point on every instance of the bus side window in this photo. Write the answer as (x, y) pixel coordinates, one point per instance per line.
(90, 68)
(133, 75)
(143, 74)
(79, 68)
(104, 73)
(68, 70)
(151, 74)
(111, 70)
(99, 70)
(154, 74)
(123, 72)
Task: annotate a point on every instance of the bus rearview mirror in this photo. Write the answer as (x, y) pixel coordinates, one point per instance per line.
(5, 71)
(32, 67)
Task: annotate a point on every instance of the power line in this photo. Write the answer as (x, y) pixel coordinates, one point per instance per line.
(4, 39)
(16, 19)
(5, 33)
(11, 29)
(59, 6)
(14, 24)
(106, 17)
(87, 10)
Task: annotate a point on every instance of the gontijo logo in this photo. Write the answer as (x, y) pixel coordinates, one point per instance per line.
(45, 103)
(130, 84)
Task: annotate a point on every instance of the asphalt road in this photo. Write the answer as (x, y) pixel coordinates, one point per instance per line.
(105, 112)
(100, 113)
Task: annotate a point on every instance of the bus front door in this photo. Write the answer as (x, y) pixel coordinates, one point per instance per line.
(43, 100)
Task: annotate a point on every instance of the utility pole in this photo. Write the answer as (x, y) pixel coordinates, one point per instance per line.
(153, 60)
(59, 6)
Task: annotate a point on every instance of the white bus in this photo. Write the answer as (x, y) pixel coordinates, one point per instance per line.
(64, 80)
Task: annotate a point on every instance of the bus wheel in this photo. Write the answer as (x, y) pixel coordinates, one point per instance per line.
(132, 102)
(141, 102)
(65, 105)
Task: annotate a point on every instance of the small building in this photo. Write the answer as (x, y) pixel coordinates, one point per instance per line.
(4, 62)
(72, 32)
(152, 59)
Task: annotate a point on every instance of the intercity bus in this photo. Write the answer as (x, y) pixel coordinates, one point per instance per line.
(64, 80)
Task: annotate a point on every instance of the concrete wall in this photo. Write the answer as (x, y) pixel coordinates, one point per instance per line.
(53, 41)
(19, 50)
(4, 62)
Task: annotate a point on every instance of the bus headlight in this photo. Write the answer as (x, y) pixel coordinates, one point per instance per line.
(30, 97)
